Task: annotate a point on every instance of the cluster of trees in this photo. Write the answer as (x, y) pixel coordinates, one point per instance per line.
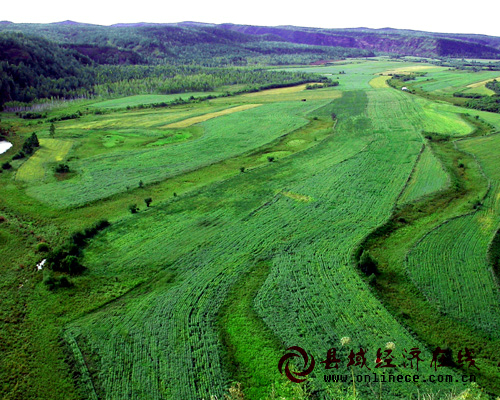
(485, 103)
(494, 85)
(66, 259)
(29, 147)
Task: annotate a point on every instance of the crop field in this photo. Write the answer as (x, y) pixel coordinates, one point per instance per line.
(329, 197)
(206, 117)
(428, 177)
(232, 134)
(448, 82)
(254, 216)
(51, 151)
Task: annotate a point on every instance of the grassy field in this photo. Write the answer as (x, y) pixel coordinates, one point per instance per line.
(262, 205)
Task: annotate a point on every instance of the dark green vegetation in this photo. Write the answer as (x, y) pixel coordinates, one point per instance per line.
(327, 211)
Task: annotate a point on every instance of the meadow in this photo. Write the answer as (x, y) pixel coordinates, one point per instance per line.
(264, 206)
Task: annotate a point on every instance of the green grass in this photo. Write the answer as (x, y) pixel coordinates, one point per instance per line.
(450, 264)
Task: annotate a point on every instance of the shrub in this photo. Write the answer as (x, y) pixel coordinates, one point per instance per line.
(53, 283)
(133, 208)
(367, 264)
(42, 247)
(62, 168)
(6, 165)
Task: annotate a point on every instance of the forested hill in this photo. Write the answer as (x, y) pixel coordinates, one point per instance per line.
(203, 44)
(231, 43)
(402, 42)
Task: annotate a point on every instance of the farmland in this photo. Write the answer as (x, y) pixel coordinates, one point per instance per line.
(263, 207)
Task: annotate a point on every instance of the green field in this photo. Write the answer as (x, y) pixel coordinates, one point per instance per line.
(264, 206)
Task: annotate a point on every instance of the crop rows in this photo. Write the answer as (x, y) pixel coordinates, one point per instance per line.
(167, 337)
(450, 265)
(428, 177)
(453, 81)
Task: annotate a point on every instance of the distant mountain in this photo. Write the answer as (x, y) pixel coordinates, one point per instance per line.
(157, 41)
(387, 40)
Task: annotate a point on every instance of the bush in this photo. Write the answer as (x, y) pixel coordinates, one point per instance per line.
(71, 265)
(367, 264)
(6, 165)
(62, 168)
(133, 208)
(42, 247)
(53, 283)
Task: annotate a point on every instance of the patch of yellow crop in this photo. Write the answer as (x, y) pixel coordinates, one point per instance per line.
(297, 196)
(409, 69)
(278, 91)
(202, 118)
(379, 82)
(482, 83)
(486, 222)
(51, 150)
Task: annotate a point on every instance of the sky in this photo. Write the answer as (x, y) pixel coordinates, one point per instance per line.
(481, 16)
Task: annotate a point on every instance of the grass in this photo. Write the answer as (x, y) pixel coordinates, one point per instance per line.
(433, 290)
(448, 82)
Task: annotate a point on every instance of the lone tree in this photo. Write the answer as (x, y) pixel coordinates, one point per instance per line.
(148, 201)
(141, 184)
(52, 130)
(133, 208)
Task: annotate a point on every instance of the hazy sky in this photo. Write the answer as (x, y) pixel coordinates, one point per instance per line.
(480, 16)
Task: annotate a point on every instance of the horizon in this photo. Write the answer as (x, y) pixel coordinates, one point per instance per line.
(427, 16)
